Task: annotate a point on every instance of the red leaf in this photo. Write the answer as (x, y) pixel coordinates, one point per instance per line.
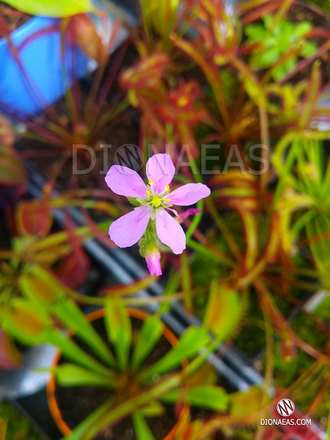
(33, 218)
(74, 269)
(81, 31)
(10, 357)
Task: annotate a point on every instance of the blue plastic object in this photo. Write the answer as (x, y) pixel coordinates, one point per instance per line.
(45, 79)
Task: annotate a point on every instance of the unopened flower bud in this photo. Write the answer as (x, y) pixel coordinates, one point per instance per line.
(153, 262)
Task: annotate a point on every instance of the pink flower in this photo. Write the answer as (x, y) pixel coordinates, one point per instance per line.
(156, 201)
(153, 262)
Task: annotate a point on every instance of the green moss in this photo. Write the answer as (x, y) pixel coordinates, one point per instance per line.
(323, 4)
(287, 371)
(17, 424)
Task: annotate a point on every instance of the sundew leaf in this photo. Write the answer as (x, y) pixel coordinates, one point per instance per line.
(72, 352)
(26, 321)
(39, 285)
(189, 345)
(119, 329)
(255, 32)
(10, 357)
(72, 317)
(149, 335)
(71, 375)
(80, 431)
(141, 427)
(310, 48)
(267, 58)
(209, 397)
(12, 171)
(223, 310)
(301, 29)
(247, 402)
(318, 225)
(3, 429)
(52, 8)
(153, 409)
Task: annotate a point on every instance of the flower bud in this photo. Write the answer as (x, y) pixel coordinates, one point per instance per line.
(153, 261)
(149, 249)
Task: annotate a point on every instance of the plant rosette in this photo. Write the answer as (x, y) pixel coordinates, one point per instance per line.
(42, 82)
(152, 329)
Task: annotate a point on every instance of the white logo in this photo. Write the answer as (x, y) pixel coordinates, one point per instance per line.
(129, 156)
(285, 407)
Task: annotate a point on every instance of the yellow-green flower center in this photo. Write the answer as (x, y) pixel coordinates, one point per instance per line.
(155, 201)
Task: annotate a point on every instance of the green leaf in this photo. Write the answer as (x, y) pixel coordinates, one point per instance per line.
(71, 375)
(72, 317)
(301, 29)
(90, 421)
(12, 171)
(255, 32)
(149, 335)
(141, 427)
(26, 321)
(247, 402)
(189, 345)
(52, 8)
(289, 65)
(268, 20)
(320, 224)
(153, 409)
(72, 352)
(209, 397)
(39, 285)
(267, 58)
(279, 73)
(118, 325)
(309, 49)
(223, 310)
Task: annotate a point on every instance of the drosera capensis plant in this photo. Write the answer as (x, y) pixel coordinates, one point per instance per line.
(68, 131)
(146, 396)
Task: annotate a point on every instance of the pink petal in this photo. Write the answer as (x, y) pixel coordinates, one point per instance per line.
(188, 194)
(125, 182)
(186, 214)
(170, 232)
(153, 263)
(129, 228)
(160, 170)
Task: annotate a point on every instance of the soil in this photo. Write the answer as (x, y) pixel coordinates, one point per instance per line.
(77, 403)
(301, 11)
(12, 17)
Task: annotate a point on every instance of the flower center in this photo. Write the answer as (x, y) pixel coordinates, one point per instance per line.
(155, 201)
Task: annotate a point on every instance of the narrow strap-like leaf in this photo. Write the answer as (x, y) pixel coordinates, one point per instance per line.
(210, 397)
(223, 310)
(52, 8)
(149, 335)
(189, 345)
(72, 352)
(141, 427)
(71, 375)
(119, 329)
(71, 316)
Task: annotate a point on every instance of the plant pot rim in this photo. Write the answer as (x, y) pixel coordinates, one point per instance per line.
(51, 385)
